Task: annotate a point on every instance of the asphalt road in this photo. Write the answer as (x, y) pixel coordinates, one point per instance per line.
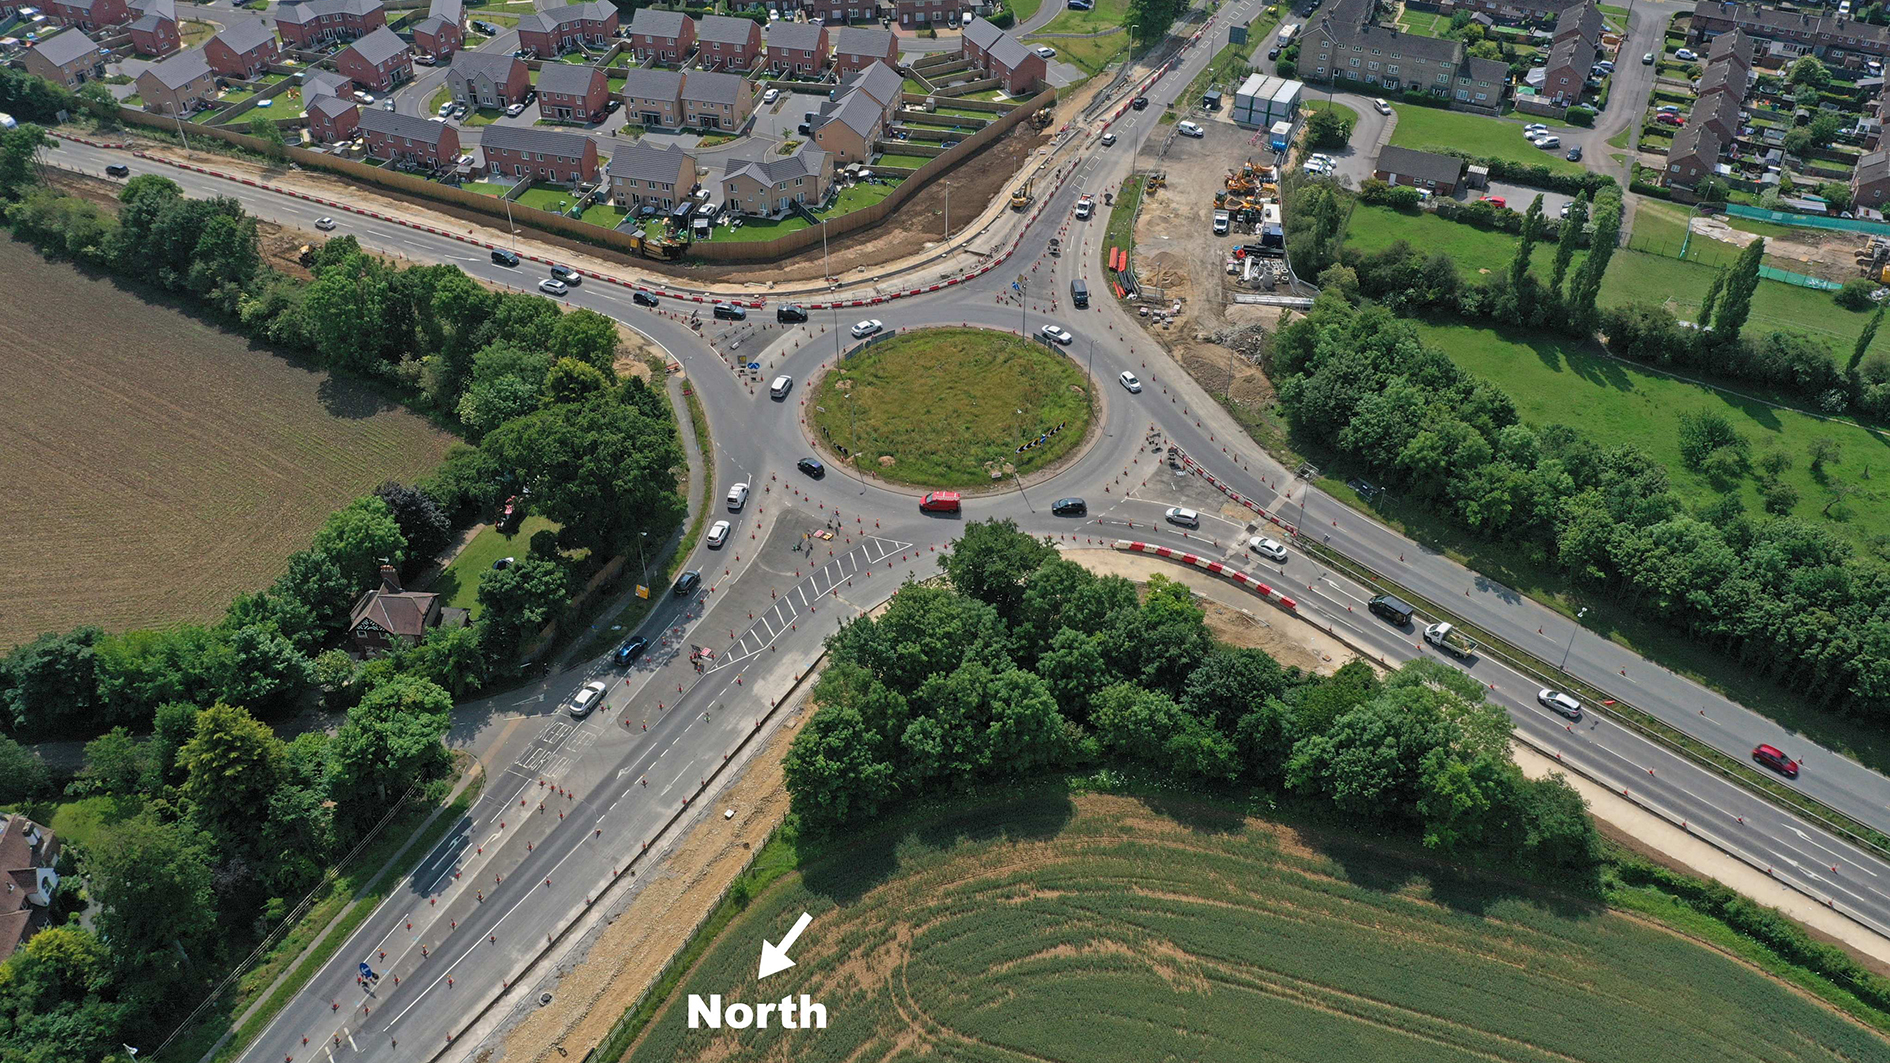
(508, 875)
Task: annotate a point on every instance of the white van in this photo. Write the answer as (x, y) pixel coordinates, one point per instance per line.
(781, 386)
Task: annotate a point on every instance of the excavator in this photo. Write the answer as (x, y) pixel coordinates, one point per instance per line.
(1020, 197)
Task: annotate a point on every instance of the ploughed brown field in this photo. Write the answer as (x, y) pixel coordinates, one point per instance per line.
(155, 465)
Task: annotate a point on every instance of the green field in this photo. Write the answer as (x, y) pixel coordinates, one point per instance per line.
(1105, 929)
(1475, 251)
(1432, 129)
(1107, 14)
(460, 580)
(1089, 53)
(1616, 402)
(945, 405)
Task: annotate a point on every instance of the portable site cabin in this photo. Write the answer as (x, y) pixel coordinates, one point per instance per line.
(1262, 100)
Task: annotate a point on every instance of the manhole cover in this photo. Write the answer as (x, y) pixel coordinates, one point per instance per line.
(543, 999)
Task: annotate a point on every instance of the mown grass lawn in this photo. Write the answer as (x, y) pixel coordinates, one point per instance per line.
(906, 162)
(1424, 23)
(556, 200)
(460, 581)
(849, 200)
(1432, 129)
(605, 215)
(1474, 250)
(1092, 54)
(946, 403)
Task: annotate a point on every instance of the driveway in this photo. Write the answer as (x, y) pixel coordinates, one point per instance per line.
(1359, 158)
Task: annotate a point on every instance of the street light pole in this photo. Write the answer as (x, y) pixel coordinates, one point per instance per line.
(825, 270)
(1571, 637)
(642, 565)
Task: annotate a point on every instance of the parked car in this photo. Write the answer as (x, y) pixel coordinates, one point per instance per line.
(1058, 335)
(1495, 201)
(1669, 118)
(459, 111)
(718, 534)
(1648, 59)
(588, 697)
(1273, 52)
(1775, 758)
(1574, 154)
(1190, 129)
(503, 257)
(771, 95)
(812, 467)
(1130, 382)
(1044, 51)
(117, 169)
(515, 110)
(866, 328)
(737, 497)
(643, 298)
(503, 563)
(1557, 701)
(1667, 108)
(1267, 548)
(1685, 55)
(1549, 143)
(325, 224)
(425, 60)
(1069, 507)
(1186, 518)
(362, 97)
(1382, 106)
(626, 654)
(387, 104)
(553, 287)
(445, 109)
(1533, 129)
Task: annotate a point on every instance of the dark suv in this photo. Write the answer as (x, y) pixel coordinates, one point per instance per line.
(503, 257)
(1392, 609)
(687, 583)
(627, 653)
(787, 315)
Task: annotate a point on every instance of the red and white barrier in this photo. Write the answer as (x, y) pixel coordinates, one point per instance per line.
(1218, 568)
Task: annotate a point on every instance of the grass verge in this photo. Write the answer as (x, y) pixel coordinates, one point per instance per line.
(699, 422)
(1120, 232)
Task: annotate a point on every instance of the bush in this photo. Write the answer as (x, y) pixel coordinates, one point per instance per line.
(1581, 116)
(1329, 128)
(1538, 175)
(1855, 295)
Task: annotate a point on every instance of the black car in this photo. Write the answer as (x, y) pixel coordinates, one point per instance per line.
(812, 467)
(687, 582)
(1273, 53)
(1069, 507)
(503, 257)
(1575, 153)
(788, 315)
(118, 169)
(612, 106)
(643, 298)
(627, 653)
(1140, 103)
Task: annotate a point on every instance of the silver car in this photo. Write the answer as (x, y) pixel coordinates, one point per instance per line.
(1556, 701)
(588, 697)
(1186, 518)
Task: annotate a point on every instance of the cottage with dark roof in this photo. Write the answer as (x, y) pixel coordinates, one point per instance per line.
(1693, 155)
(1003, 56)
(857, 47)
(376, 62)
(408, 138)
(388, 616)
(443, 31)
(1870, 180)
(178, 85)
(68, 58)
(881, 82)
(643, 175)
(571, 93)
(29, 854)
(653, 98)
(491, 80)
(1576, 47)
(1419, 169)
(311, 23)
(560, 28)
(724, 43)
(666, 36)
(716, 101)
(243, 49)
(1342, 44)
(770, 187)
(797, 47)
(332, 119)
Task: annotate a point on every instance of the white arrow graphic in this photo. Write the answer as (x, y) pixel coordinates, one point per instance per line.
(774, 958)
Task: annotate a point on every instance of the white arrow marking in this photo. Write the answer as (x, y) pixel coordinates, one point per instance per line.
(774, 958)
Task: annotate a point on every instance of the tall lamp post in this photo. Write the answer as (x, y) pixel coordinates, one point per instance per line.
(1571, 637)
(642, 565)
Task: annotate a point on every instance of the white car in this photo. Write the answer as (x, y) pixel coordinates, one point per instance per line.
(1187, 518)
(1130, 382)
(445, 109)
(1534, 130)
(1046, 52)
(737, 497)
(325, 224)
(1557, 701)
(1382, 106)
(1189, 129)
(1059, 335)
(552, 287)
(1108, 139)
(362, 97)
(771, 95)
(588, 697)
(515, 110)
(867, 328)
(1549, 143)
(1685, 55)
(1267, 548)
(718, 534)
(1322, 159)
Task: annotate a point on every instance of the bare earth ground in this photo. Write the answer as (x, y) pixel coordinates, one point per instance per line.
(156, 465)
(1818, 252)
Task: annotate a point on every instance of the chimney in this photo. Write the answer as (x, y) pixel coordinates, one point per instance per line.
(390, 579)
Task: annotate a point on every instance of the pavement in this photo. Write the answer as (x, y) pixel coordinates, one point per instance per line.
(572, 803)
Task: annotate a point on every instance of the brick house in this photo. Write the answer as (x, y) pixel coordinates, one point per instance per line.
(667, 36)
(68, 58)
(1836, 39)
(724, 43)
(154, 33)
(317, 83)
(1003, 56)
(925, 12)
(311, 23)
(716, 101)
(388, 615)
(1511, 11)
(376, 62)
(1567, 71)
(1718, 113)
(770, 187)
(443, 31)
(332, 119)
(644, 175)
(554, 31)
(858, 47)
(1343, 44)
(28, 855)
(572, 93)
(653, 98)
(242, 49)
(408, 138)
(847, 127)
(1870, 180)
(488, 79)
(177, 85)
(1693, 155)
(797, 48)
(89, 14)
(1419, 169)
(882, 83)
(539, 154)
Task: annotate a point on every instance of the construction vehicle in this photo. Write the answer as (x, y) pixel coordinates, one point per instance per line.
(1085, 207)
(1447, 638)
(661, 248)
(1043, 117)
(1020, 198)
(1156, 181)
(305, 254)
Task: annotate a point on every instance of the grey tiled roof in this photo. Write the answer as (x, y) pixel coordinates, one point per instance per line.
(722, 29)
(160, 8)
(413, 127)
(879, 81)
(308, 10)
(494, 65)
(798, 36)
(642, 162)
(150, 23)
(244, 34)
(63, 48)
(324, 83)
(656, 23)
(856, 110)
(996, 43)
(180, 69)
(805, 162)
(706, 87)
(330, 105)
(863, 40)
(1424, 165)
(537, 141)
(379, 46)
(652, 84)
(548, 19)
(568, 79)
(450, 10)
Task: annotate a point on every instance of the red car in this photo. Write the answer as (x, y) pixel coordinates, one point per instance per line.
(1495, 201)
(1775, 758)
(1670, 119)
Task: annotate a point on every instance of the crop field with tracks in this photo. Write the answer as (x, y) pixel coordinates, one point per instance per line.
(155, 465)
(1106, 929)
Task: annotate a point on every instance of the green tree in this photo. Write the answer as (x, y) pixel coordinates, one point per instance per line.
(230, 768)
(1140, 724)
(359, 539)
(1808, 70)
(1707, 304)
(1229, 683)
(1864, 340)
(1823, 451)
(992, 561)
(1855, 294)
(1519, 264)
(1569, 240)
(453, 657)
(263, 128)
(570, 380)
(1704, 432)
(152, 880)
(587, 336)
(1825, 127)
(391, 740)
(23, 775)
(426, 528)
(333, 673)
(19, 158)
(97, 99)
(173, 725)
(1741, 282)
(115, 763)
(517, 601)
(266, 672)
(1328, 128)
(49, 686)
(831, 772)
(1556, 829)
(1587, 284)
(345, 310)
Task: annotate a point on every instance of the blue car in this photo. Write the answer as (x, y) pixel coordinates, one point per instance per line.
(627, 654)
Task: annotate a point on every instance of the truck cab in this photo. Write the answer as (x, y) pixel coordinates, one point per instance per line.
(1446, 637)
(1085, 207)
(1221, 221)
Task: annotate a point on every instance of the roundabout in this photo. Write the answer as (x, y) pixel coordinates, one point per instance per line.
(958, 408)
